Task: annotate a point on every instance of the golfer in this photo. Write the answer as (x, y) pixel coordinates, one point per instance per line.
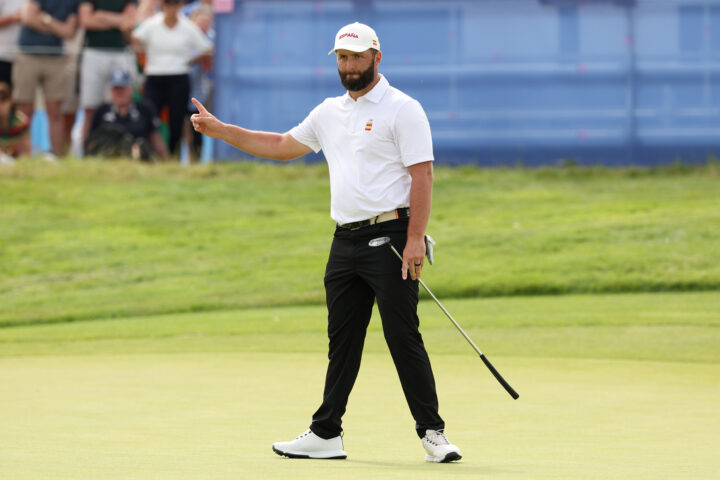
(378, 147)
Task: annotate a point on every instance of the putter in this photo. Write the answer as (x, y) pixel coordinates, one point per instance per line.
(380, 241)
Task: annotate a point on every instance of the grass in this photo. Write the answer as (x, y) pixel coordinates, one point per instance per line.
(160, 322)
(215, 415)
(89, 240)
(612, 386)
(680, 327)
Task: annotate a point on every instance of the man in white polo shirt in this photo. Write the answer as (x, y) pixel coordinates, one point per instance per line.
(378, 146)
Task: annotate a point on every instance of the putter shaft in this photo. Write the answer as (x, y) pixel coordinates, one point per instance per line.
(487, 363)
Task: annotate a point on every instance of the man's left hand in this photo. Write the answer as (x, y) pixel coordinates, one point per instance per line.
(413, 258)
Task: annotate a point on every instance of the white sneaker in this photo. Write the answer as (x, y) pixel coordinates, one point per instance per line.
(438, 447)
(309, 445)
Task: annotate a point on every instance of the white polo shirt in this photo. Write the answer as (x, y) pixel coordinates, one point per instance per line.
(169, 50)
(9, 33)
(368, 144)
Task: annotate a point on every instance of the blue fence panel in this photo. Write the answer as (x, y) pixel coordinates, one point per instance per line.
(502, 81)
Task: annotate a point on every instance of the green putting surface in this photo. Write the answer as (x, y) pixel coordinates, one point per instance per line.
(215, 416)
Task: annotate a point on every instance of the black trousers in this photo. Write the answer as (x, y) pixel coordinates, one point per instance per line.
(172, 91)
(356, 276)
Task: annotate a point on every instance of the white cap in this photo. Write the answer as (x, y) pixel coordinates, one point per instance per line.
(356, 37)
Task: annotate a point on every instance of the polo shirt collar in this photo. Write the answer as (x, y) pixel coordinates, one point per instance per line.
(374, 95)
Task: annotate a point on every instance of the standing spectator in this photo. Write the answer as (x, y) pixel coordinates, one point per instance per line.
(172, 43)
(191, 6)
(200, 82)
(125, 128)
(14, 128)
(40, 61)
(107, 25)
(9, 32)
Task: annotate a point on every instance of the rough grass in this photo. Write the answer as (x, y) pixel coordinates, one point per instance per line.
(88, 240)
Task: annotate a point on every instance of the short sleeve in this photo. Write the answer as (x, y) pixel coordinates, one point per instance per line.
(200, 41)
(412, 131)
(305, 132)
(142, 31)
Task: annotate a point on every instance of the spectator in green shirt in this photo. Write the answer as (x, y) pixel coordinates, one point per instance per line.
(107, 24)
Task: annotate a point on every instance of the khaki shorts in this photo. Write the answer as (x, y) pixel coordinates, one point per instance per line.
(31, 71)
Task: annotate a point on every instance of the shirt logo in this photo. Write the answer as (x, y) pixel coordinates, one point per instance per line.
(368, 125)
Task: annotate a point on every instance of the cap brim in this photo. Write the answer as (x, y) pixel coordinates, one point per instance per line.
(352, 48)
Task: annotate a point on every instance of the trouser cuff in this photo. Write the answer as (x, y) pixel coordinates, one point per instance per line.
(323, 433)
(421, 429)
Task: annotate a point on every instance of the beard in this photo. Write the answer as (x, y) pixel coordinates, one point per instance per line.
(355, 84)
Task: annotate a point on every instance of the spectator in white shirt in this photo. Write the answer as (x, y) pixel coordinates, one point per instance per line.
(9, 33)
(171, 43)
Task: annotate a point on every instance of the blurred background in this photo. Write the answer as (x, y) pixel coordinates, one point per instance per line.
(504, 82)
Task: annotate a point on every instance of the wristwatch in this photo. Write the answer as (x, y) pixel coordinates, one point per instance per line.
(46, 19)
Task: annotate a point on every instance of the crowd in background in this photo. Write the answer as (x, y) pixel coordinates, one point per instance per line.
(131, 67)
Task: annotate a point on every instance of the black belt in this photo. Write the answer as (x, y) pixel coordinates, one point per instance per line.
(383, 217)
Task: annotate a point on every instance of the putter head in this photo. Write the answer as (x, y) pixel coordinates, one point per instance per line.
(379, 242)
(429, 242)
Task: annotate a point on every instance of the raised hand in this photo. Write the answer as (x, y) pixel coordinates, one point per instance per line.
(205, 122)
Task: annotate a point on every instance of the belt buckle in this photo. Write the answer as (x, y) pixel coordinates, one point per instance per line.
(360, 224)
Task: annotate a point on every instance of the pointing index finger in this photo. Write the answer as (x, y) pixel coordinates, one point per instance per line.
(201, 108)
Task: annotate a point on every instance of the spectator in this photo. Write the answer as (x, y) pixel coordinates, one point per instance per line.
(200, 83)
(9, 32)
(40, 61)
(124, 127)
(107, 25)
(172, 43)
(190, 8)
(14, 128)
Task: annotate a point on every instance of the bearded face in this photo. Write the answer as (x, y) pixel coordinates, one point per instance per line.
(355, 78)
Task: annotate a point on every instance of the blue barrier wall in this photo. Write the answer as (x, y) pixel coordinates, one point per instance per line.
(502, 82)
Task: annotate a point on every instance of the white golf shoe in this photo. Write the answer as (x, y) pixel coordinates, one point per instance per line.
(438, 447)
(309, 445)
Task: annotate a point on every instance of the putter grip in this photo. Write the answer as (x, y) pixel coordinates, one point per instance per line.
(499, 377)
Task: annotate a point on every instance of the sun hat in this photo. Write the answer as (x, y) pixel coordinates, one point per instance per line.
(356, 37)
